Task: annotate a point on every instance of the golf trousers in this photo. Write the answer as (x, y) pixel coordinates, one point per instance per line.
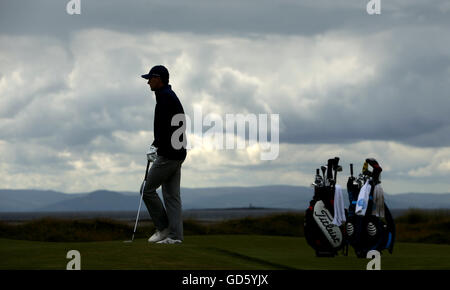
(167, 174)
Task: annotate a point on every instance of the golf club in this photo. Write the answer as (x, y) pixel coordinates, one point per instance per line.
(318, 179)
(140, 203)
(330, 172)
(336, 168)
(324, 169)
(376, 168)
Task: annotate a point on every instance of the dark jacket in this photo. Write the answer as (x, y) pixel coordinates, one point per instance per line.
(167, 106)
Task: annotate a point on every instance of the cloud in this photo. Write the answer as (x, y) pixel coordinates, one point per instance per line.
(244, 18)
(405, 168)
(75, 114)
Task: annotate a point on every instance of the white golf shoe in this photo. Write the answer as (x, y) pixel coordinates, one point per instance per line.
(169, 241)
(159, 236)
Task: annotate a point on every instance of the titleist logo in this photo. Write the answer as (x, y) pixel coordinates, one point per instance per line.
(324, 218)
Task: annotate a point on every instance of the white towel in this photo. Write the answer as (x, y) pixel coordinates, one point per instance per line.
(339, 209)
(378, 201)
(363, 199)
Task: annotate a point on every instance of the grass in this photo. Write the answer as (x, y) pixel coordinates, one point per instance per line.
(212, 252)
(272, 242)
(416, 226)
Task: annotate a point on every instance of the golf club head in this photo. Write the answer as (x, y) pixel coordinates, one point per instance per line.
(132, 239)
(336, 160)
(376, 167)
(335, 163)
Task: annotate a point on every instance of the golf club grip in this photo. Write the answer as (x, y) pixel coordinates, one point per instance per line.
(351, 169)
(330, 169)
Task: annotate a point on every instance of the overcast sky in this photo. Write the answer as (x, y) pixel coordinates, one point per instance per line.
(75, 116)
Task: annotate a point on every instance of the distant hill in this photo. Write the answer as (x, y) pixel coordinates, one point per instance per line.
(418, 200)
(276, 196)
(101, 200)
(29, 200)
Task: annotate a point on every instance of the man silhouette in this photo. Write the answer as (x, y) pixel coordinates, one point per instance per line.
(166, 168)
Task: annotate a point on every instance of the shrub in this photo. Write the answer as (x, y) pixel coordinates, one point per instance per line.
(414, 226)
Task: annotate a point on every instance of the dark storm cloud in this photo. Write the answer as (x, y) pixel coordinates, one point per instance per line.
(49, 17)
(407, 102)
(214, 16)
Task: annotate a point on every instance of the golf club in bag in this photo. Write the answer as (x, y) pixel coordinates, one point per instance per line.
(140, 202)
(365, 232)
(321, 234)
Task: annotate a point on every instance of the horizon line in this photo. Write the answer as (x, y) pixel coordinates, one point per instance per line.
(210, 187)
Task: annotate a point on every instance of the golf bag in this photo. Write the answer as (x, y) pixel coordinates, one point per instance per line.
(368, 232)
(321, 234)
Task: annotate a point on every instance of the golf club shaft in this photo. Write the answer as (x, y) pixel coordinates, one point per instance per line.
(146, 170)
(139, 210)
(140, 201)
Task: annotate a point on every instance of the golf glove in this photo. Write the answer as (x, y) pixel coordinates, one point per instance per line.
(151, 153)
